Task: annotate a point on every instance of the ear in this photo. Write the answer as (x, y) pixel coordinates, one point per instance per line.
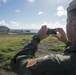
(74, 24)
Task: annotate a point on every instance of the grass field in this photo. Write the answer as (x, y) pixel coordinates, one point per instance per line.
(10, 45)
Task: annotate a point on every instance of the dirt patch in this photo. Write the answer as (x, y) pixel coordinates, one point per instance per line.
(43, 49)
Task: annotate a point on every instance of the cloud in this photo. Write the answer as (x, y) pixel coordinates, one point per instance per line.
(14, 23)
(17, 10)
(4, 1)
(61, 11)
(40, 13)
(52, 25)
(31, 1)
(2, 22)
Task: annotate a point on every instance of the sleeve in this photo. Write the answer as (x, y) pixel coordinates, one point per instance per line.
(30, 49)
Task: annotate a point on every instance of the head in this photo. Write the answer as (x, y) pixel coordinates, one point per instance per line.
(71, 21)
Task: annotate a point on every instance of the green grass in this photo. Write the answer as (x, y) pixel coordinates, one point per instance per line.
(5, 59)
(10, 45)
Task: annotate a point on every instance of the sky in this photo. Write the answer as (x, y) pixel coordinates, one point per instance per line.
(32, 14)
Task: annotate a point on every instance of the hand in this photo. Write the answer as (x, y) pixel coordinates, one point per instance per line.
(62, 36)
(42, 32)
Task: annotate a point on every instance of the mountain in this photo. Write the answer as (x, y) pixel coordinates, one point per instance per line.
(4, 29)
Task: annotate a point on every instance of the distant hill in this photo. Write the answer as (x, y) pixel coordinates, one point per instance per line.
(4, 29)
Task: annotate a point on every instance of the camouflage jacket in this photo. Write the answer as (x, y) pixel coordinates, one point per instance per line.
(25, 62)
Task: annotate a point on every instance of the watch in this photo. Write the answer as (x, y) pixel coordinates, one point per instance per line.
(36, 37)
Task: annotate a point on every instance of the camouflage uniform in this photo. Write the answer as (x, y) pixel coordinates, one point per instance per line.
(53, 64)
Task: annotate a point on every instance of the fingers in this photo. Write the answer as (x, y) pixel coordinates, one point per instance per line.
(42, 32)
(61, 31)
(42, 28)
(45, 28)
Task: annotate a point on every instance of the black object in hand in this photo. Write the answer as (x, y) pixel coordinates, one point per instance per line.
(51, 31)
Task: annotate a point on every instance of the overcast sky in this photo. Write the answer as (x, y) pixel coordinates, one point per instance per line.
(32, 14)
